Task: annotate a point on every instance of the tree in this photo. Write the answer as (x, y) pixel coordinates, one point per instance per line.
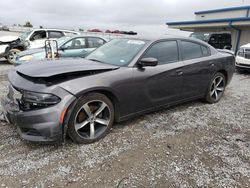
(28, 24)
(40, 26)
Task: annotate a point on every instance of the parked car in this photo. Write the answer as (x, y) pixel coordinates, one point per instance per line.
(242, 62)
(119, 80)
(217, 40)
(5, 28)
(76, 46)
(10, 46)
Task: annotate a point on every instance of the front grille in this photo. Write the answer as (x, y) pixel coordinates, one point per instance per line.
(245, 65)
(247, 56)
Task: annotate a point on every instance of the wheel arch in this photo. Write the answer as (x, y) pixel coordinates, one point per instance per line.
(103, 91)
(224, 72)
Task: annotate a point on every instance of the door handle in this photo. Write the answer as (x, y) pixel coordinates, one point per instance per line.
(179, 73)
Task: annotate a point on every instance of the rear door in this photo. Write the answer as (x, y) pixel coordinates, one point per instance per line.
(197, 69)
(161, 84)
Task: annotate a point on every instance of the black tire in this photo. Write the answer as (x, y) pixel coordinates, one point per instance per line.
(80, 117)
(11, 55)
(215, 91)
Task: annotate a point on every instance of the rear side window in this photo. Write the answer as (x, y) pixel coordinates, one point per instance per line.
(55, 34)
(164, 52)
(190, 50)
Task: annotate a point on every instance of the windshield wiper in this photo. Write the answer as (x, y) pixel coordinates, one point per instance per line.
(96, 60)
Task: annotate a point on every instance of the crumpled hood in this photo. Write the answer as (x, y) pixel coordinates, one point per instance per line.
(8, 38)
(49, 68)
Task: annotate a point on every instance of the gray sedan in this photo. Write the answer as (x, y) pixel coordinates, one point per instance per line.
(121, 79)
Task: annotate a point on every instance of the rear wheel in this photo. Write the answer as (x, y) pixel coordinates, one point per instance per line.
(91, 119)
(216, 88)
(12, 55)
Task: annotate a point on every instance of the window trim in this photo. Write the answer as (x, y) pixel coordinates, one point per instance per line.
(200, 44)
(159, 41)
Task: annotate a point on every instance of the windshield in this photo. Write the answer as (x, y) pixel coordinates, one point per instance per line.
(24, 35)
(201, 36)
(117, 52)
(61, 40)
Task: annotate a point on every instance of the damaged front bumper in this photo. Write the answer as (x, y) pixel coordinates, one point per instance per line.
(40, 125)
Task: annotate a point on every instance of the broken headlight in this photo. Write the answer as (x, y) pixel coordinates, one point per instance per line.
(32, 100)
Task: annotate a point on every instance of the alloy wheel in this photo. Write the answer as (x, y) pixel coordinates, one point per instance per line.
(92, 119)
(217, 88)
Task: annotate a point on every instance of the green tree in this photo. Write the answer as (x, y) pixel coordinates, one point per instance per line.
(28, 24)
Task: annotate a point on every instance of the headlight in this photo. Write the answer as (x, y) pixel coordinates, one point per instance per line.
(26, 58)
(241, 52)
(26, 44)
(32, 100)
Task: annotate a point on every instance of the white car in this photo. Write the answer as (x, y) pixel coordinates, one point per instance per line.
(242, 61)
(35, 38)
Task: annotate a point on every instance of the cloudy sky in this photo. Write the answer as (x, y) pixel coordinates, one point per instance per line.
(144, 16)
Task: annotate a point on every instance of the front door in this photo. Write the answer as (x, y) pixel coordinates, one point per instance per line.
(159, 85)
(74, 48)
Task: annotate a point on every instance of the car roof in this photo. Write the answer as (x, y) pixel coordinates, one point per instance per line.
(167, 37)
(54, 29)
(91, 36)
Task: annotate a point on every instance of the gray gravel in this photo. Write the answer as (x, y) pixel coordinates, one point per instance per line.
(190, 145)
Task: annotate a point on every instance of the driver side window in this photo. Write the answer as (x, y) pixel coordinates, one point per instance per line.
(38, 35)
(77, 43)
(165, 52)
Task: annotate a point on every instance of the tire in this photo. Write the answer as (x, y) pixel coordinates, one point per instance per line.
(216, 88)
(91, 119)
(11, 55)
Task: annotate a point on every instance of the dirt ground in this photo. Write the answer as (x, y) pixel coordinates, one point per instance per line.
(190, 145)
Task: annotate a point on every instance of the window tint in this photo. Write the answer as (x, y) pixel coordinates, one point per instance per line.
(164, 52)
(95, 42)
(55, 34)
(76, 43)
(190, 50)
(38, 35)
(205, 51)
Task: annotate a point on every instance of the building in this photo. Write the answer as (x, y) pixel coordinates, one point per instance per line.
(235, 20)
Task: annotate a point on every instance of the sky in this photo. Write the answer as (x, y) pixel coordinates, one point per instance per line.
(147, 17)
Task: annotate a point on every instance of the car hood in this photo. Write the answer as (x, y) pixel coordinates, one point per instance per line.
(52, 68)
(30, 52)
(8, 38)
(246, 46)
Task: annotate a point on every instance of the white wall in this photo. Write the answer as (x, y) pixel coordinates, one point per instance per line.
(221, 15)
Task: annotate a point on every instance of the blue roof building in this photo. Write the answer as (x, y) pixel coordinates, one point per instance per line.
(235, 20)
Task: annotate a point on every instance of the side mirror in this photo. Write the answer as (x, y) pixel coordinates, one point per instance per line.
(62, 48)
(148, 62)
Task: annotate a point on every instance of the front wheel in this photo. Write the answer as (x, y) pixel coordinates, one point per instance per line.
(91, 119)
(12, 55)
(216, 88)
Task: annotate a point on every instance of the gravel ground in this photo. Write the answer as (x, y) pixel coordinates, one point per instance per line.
(190, 145)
